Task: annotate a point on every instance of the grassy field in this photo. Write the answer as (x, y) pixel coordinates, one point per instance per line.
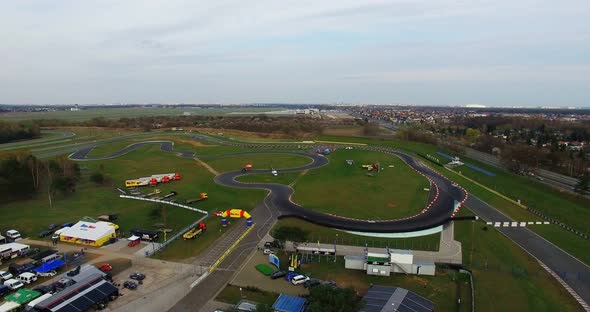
(502, 270)
(563, 204)
(392, 193)
(115, 113)
(259, 161)
(329, 236)
(282, 178)
(32, 216)
(232, 295)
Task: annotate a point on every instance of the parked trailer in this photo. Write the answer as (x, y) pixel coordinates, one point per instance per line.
(202, 196)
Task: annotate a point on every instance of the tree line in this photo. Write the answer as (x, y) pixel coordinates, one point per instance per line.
(22, 175)
(291, 125)
(14, 131)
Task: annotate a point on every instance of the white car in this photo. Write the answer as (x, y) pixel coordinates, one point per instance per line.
(5, 275)
(274, 173)
(13, 284)
(299, 279)
(13, 234)
(267, 251)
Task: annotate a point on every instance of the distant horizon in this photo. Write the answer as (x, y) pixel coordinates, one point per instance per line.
(475, 106)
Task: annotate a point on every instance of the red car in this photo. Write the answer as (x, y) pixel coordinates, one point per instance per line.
(105, 267)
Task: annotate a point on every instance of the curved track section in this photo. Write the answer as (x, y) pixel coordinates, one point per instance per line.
(437, 212)
(166, 146)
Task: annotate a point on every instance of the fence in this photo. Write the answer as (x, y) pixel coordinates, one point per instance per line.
(163, 245)
(164, 202)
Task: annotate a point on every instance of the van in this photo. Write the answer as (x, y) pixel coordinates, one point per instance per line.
(4, 276)
(13, 234)
(299, 279)
(28, 277)
(13, 284)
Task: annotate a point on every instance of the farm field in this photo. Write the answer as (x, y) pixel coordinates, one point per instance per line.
(391, 193)
(495, 260)
(116, 113)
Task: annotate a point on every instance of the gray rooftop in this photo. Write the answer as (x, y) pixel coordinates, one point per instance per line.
(386, 298)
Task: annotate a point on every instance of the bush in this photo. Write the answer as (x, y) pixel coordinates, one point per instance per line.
(290, 233)
(97, 178)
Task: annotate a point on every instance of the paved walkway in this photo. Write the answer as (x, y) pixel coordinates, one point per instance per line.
(449, 250)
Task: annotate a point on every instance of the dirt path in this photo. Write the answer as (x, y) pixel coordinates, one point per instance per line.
(206, 166)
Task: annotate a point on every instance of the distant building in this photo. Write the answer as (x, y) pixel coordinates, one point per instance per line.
(76, 108)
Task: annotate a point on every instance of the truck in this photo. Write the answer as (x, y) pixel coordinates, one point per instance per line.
(12, 250)
(196, 231)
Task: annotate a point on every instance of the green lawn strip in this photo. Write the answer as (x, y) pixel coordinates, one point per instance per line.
(327, 235)
(47, 136)
(502, 270)
(259, 161)
(32, 216)
(232, 295)
(109, 148)
(282, 178)
(391, 193)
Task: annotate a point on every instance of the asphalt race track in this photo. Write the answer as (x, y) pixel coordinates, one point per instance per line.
(166, 146)
(438, 212)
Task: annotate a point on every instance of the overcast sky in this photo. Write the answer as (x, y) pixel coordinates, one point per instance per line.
(425, 52)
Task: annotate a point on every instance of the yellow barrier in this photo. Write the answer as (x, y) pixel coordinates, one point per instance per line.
(230, 249)
(488, 189)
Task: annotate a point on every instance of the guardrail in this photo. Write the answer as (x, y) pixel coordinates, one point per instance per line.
(165, 202)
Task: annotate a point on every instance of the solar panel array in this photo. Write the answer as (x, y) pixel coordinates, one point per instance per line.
(385, 298)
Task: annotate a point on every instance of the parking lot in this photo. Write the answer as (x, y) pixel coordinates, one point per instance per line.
(249, 276)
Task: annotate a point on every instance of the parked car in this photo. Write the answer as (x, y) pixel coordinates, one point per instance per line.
(330, 283)
(47, 274)
(4, 290)
(290, 275)
(311, 283)
(45, 233)
(13, 234)
(299, 279)
(52, 226)
(67, 224)
(29, 252)
(13, 284)
(267, 251)
(4, 276)
(274, 244)
(137, 276)
(43, 289)
(130, 284)
(278, 274)
(105, 267)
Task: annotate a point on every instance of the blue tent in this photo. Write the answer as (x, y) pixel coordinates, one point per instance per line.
(49, 265)
(286, 303)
